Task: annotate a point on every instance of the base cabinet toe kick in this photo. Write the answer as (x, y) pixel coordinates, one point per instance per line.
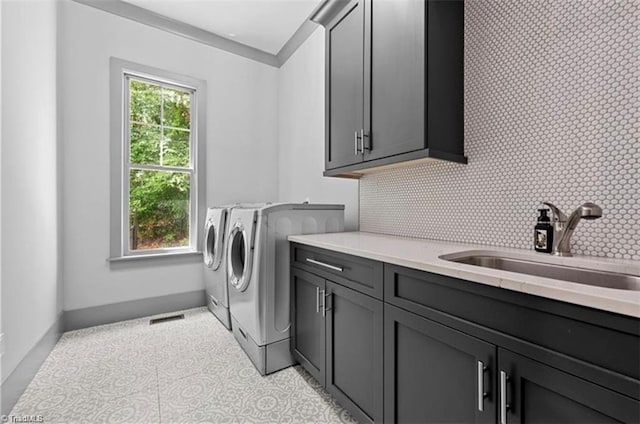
(399, 345)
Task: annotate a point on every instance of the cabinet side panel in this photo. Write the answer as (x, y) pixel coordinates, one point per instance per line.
(445, 80)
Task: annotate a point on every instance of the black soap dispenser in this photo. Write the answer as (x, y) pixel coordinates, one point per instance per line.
(543, 233)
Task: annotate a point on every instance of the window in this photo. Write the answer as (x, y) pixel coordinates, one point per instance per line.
(158, 144)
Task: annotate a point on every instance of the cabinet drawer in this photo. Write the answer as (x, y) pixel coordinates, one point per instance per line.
(360, 274)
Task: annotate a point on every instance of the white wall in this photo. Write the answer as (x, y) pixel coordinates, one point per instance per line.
(1, 333)
(29, 173)
(241, 146)
(301, 133)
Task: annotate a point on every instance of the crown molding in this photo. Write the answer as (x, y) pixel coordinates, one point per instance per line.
(327, 10)
(297, 39)
(161, 22)
(158, 21)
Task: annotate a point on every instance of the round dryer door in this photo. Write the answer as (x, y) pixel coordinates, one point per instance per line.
(209, 243)
(239, 258)
(212, 245)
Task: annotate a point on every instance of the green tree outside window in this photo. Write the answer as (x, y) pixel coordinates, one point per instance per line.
(160, 135)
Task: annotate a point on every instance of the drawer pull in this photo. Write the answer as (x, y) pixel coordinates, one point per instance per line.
(333, 267)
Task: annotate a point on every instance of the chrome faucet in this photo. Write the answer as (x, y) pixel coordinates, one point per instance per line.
(563, 226)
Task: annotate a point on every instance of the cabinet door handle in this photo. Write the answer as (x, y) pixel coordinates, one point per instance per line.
(333, 267)
(481, 393)
(504, 406)
(323, 296)
(355, 143)
(317, 299)
(362, 137)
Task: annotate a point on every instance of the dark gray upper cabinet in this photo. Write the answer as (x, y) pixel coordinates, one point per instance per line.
(394, 84)
(397, 78)
(344, 96)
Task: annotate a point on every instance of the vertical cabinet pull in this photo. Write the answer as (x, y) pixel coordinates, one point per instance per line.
(317, 299)
(481, 393)
(504, 406)
(358, 142)
(362, 137)
(323, 296)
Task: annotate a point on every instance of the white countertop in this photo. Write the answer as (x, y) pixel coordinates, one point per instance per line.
(424, 255)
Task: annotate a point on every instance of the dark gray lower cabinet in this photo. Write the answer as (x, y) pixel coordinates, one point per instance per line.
(307, 325)
(336, 335)
(536, 393)
(354, 351)
(419, 347)
(434, 374)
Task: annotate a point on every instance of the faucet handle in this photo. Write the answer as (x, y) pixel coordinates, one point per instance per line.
(558, 216)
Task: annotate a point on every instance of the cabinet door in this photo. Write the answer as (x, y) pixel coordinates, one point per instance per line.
(307, 322)
(434, 374)
(354, 352)
(344, 86)
(397, 78)
(532, 392)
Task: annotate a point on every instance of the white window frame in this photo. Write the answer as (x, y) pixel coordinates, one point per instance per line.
(121, 72)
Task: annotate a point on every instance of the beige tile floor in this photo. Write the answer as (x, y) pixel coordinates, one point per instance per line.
(187, 371)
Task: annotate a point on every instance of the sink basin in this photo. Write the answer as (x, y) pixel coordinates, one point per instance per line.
(592, 277)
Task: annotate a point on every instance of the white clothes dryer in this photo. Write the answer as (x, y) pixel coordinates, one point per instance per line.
(258, 274)
(215, 271)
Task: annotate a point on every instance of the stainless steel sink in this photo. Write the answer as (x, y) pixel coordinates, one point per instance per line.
(612, 280)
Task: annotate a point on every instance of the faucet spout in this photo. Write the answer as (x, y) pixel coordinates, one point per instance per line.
(558, 216)
(565, 226)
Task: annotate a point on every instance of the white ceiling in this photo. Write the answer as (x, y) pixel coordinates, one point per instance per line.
(263, 24)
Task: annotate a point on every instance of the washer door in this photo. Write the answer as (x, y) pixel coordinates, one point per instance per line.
(213, 241)
(239, 258)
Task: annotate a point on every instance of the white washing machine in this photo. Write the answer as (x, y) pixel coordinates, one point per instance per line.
(215, 271)
(215, 259)
(258, 274)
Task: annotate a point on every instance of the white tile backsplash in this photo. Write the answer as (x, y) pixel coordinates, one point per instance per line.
(552, 95)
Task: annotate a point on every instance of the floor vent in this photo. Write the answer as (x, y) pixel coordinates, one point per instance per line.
(166, 319)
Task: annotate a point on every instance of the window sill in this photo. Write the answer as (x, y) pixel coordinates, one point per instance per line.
(155, 257)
